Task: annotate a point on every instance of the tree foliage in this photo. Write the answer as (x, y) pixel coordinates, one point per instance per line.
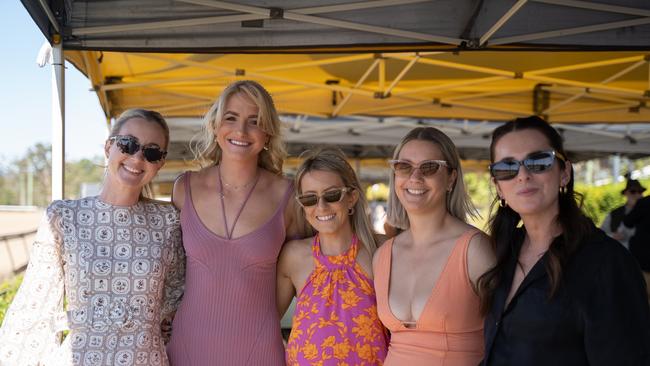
(28, 180)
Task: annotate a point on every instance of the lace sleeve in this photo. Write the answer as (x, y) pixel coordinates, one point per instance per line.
(30, 329)
(174, 280)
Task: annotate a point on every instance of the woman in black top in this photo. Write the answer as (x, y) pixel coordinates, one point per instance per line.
(562, 292)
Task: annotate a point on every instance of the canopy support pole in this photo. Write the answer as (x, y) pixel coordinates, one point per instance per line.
(58, 121)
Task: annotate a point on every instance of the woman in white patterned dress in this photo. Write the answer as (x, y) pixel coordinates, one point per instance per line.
(116, 258)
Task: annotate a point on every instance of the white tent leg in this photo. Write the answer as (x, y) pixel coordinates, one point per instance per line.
(58, 122)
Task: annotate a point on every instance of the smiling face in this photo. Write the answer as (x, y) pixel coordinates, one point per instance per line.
(418, 193)
(327, 217)
(134, 171)
(238, 133)
(529, 193)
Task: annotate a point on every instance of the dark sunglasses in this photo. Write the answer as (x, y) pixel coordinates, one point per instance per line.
(405, 168)
(130, 145)
(537, 162)
(634, 191)
(331, 196)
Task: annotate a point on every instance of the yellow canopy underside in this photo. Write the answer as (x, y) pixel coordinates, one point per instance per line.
(572, 87)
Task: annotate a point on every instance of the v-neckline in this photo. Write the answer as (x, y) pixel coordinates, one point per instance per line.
(250, 233)
(434, 290)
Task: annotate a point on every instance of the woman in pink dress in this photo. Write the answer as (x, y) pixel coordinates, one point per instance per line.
(235, 215)
(335, 321)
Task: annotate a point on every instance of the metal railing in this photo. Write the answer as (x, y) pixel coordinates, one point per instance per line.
(6, 240)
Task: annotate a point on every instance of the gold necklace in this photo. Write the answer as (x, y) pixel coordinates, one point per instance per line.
(223, 185)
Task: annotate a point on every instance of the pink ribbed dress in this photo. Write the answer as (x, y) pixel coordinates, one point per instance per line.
(228, 314)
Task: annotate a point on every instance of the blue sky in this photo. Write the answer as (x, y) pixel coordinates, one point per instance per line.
(26, 97)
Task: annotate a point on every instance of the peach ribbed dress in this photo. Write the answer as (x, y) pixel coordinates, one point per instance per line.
(449, 331)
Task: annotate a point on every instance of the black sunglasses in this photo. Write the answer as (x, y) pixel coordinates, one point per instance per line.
(405, 168)
(537, 162)
(130, 145)
(330, 196)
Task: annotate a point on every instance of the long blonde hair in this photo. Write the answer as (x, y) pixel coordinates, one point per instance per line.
(204, 146)
(333, 160)
(458, 203)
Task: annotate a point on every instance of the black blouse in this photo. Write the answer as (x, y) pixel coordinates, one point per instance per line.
(598, 316)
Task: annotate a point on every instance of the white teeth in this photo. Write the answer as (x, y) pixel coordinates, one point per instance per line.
(134, 171)
(416, 191)
(325, 218)
(239, 143)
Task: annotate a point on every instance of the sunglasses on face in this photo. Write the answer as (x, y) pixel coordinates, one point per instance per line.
(405, 168)
(537, 162)
(330, 196)
(634, 191)
(130, 145)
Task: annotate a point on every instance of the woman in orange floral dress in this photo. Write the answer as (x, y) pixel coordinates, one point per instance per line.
(335, 321)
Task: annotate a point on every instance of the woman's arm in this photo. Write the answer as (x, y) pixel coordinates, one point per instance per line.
(174, 279)
(480, 257)
(285, 290)
(33, 325)
(178, 191)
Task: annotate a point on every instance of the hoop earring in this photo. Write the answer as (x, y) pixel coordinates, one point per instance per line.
(503, 203)
(350, 211)
(562, 189)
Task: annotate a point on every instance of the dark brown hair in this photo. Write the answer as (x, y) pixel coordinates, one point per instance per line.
(506, 237)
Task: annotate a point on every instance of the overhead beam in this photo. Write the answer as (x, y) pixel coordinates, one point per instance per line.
(166, 24)
(355, 6)
(399, 77)
(570, 31)
(50, 16)
(452, 85)
(484, 38)
(360, 82)
(587, 65)
(328, 61)
(575, 97)
(291, 15)
(598, 6)
(109, 87)
(582, 84)
(455, 65)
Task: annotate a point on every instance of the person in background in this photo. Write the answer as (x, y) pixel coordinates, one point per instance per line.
(426, 277)
(335, 321)
(613, 223)
(236, 213)
(638, 218)
(117, 259)
(562, 292)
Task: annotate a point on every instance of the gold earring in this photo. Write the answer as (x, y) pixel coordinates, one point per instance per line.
(503, 203)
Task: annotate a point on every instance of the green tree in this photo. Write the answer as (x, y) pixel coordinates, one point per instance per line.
(30, 176)
(82, 171)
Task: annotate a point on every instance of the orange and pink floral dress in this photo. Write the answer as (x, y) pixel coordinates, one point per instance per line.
(336, 321)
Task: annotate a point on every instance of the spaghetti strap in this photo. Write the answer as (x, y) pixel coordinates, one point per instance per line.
(188, 194)
(287, 195)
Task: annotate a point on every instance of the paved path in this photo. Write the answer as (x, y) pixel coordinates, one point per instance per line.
(16, 249)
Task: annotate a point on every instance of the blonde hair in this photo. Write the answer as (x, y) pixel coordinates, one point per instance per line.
(333, 160)
(149, 116)
(205, 147)
(458, 203)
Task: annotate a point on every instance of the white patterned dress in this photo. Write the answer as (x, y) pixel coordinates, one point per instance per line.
(121, 270)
